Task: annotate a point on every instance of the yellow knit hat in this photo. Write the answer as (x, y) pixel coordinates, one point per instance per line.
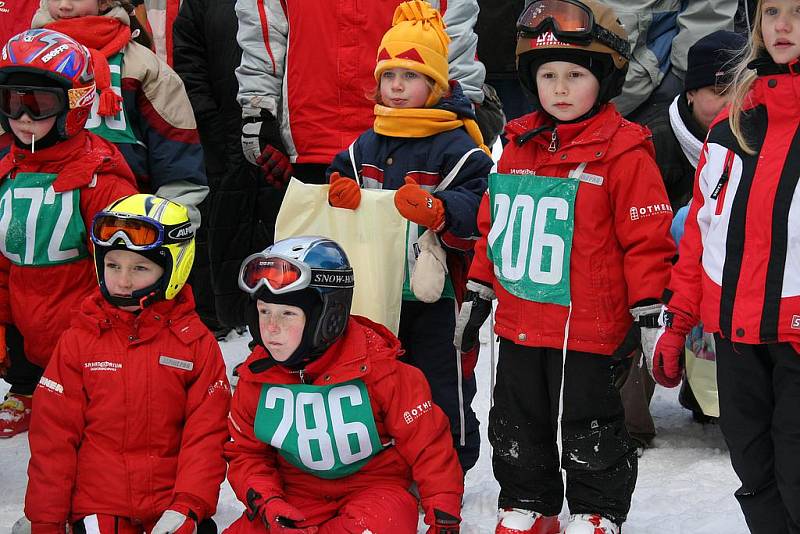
(416, 41)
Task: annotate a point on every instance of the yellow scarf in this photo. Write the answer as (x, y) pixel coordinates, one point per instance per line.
(423, 122)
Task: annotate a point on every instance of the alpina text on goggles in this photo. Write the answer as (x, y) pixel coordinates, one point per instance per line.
(571, 22)
(38, 102)
(282, 275)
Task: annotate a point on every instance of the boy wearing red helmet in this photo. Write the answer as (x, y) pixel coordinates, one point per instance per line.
(574, 245)
(54, 179)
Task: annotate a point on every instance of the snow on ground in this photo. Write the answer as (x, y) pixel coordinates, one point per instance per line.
(685, 481)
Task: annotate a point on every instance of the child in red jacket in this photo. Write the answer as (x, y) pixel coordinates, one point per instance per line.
(129, 426)
(574, 245)
(53, 181)
(329, 428)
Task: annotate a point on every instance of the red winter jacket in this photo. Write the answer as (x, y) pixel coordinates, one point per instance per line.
(621, 248)
(40, 300)
(129, 417)
(420, 449)
(15, 17)
(739, 267)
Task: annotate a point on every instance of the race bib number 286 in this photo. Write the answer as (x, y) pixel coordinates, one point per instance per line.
(531, 236)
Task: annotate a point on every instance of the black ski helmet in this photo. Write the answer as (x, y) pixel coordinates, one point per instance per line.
(310, 272)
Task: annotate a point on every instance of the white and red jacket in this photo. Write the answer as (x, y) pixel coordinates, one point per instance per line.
(129, 417)
(420, 447)
(310, 63)
(15, 17)
(739, 264)
(621, 248)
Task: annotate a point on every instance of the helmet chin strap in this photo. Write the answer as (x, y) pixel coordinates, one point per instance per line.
(33, 143)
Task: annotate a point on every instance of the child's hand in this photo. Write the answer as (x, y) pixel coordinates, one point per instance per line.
(419, 206)
(475, 309)
(278, 515)
(344, 192)
(444, 523)
(173, 522)
(670, 346)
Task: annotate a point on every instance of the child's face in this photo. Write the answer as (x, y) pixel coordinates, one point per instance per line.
(706, 103)
(69, 9)
(403, 88)
(566, 90)
(25, 128)
(126, 271)
(281, 328)
(780, 29)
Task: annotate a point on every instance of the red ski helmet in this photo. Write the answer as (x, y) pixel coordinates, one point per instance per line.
(61, 59)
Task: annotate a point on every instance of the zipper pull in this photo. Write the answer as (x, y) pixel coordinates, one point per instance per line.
(553, 141)
(302, 375)
(726, 172)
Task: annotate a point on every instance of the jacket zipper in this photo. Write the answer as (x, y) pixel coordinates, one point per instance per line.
(722, 186)
(553, 141)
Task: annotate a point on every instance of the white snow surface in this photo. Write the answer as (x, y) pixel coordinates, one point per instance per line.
(685, 483)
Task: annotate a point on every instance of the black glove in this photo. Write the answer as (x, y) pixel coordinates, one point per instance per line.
(475, 309)
(444, 523)
(262, 146)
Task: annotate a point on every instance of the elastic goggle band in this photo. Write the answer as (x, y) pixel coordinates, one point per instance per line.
(283, 275)
(38, 102)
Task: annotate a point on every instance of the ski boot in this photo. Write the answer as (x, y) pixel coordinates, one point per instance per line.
(590, 524)
(15, 415)
(519, 521)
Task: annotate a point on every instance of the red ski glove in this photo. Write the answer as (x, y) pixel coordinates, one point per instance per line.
(279, 516)
(276, 166)
(669, 350)
(444, 523)
(419, 206)
(344, 192)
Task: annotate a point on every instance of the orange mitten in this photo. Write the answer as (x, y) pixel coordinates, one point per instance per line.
(344, 192)
(419, 206)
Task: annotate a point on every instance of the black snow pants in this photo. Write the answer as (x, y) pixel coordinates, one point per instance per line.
(759, 404)
(598, 455)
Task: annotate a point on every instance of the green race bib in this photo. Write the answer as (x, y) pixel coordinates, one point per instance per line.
(116, 129)
(328, 431)
(530, 240)
(39, 227)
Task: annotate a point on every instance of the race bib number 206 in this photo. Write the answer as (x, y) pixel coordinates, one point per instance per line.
(530, 241)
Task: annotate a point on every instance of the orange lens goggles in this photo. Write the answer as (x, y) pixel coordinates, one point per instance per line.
(280, 274)
(137, 233)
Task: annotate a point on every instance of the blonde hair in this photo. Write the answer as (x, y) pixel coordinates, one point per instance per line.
(743, 79)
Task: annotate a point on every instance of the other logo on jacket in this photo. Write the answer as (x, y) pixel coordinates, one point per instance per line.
(409, 416)
(647, 211)
(102, 366)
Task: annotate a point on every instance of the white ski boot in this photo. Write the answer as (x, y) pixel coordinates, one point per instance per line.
(519, 521)
(590, 524)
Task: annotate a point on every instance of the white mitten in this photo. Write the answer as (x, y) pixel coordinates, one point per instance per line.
(428, 276)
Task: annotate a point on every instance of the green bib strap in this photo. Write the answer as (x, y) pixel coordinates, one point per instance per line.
(39, 227)
(328, 431)
(530, 242)
(116, 129)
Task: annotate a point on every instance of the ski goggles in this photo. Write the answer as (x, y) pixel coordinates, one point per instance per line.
(281, 274)
(38, 102)
(571, 22)
(138, 232)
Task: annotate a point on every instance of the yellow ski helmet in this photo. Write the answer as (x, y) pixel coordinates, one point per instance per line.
(158, 229)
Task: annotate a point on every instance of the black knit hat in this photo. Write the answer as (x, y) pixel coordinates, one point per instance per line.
(712, 59)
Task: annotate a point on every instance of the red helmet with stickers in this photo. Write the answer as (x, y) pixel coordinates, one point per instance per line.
(58, 58)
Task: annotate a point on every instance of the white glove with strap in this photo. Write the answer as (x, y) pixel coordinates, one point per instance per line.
(173, 522)
(647, 317)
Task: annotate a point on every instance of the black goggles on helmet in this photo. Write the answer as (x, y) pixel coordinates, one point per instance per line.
(282, 275)
(38, 102)
(571, 22)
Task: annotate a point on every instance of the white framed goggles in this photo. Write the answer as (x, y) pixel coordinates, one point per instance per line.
(282, 274)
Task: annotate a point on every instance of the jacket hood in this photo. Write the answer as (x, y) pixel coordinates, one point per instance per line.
(589, 138)
(363, 346)
(76, 161)
(456, 101)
